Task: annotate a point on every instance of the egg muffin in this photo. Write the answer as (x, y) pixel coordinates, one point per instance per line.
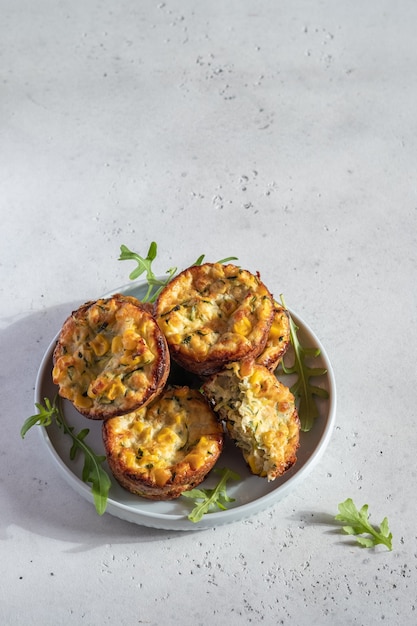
(278, 340)
(260, 416)
(110, 357)
(165, 448)
(214, 314)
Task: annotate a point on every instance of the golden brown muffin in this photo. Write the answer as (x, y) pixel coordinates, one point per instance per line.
(110, 358)
(214, 314)
(278, 340)
(166, 448)
(260, 416)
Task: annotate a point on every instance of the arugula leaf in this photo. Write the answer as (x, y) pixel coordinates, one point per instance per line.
(302, 389)
(155, 285)
(93, 472)
(42, 418)
(357, 523)
(207, 500)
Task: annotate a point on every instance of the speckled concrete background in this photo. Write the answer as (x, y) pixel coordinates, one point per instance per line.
(283, 133)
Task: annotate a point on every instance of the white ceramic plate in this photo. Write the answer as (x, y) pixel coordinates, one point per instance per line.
(252, 494)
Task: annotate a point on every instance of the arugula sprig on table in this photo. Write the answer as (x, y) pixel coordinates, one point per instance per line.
(208, 500)
(93, 472)
(303, 389)
(357, 523)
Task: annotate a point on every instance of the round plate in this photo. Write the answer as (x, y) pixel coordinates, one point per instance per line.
(251, 494)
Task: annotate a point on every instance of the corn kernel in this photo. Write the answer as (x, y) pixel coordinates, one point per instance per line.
(116, 389)
(276, 329)
(59, 371)
(116, 344)
(242, 326)
(265, 310)
(161, 476)
(100, 345)
(194, 460)
(270, 438)
(167, 436)
(131, 339)
(138, 426)
(256, 378)
(82, 401)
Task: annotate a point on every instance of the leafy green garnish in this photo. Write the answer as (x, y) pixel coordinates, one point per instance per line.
(357, 523)
(155, 285)
(93, 472)
(302, 389)
(208, 500)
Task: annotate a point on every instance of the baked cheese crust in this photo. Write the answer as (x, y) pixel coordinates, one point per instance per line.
(260, 416)
(166, 448)
(214, 314)
(110, 358)
(278, 340)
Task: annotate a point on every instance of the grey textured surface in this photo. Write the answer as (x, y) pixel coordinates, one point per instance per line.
(283, 133)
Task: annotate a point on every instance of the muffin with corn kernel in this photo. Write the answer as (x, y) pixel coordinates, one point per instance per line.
(214, 314)
(278, 341)
(260, 416)
(110, 358)
(165, 448)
